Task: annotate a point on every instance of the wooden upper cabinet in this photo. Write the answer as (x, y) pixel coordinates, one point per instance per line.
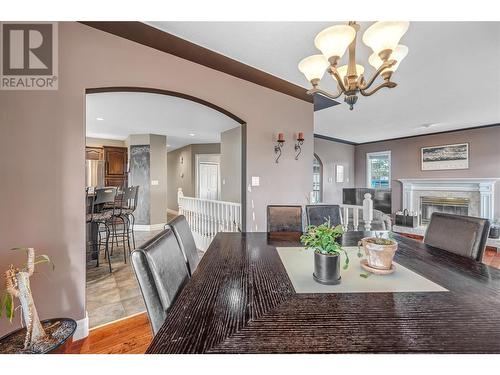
(116, 161)
(94, 153)
(116, 166)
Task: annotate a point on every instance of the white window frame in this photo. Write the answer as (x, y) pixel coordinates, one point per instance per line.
(368, 167)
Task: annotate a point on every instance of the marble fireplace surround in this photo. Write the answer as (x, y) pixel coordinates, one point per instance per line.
(479, 191)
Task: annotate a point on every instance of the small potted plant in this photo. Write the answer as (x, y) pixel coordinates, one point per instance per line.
(379, 251)
(326, 242)
(48, 336)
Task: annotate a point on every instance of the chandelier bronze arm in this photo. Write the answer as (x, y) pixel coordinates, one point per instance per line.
(333, 72)
(316, 90)
(388, 84)
(381, 68)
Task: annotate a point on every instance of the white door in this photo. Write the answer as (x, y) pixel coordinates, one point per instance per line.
(209, 181)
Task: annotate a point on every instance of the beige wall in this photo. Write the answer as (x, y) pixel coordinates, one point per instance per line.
(230, 165)
(331, 154)
(182, 175)
(484, 159)
(158, 154)
(43, 194)
(179, 175)
(99, 142)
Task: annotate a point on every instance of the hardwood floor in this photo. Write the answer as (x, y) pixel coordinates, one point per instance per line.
(491, 258)
(130, 335)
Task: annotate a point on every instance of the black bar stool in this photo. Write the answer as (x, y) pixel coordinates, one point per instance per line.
(102, 212)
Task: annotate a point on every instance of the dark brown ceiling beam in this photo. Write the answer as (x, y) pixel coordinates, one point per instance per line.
(149, 36)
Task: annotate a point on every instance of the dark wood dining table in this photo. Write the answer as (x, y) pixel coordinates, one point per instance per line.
(241, 300)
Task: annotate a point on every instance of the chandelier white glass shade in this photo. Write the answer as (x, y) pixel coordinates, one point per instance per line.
(313, 67)
(398, 54)
(342, 70)
(381, 37)
(333, 41)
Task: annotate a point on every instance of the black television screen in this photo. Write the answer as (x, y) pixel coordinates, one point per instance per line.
(381, 198)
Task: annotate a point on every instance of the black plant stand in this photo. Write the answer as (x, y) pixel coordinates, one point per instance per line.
(60, 332)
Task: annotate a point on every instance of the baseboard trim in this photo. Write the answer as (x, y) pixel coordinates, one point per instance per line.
(82, 328)
(148, 228)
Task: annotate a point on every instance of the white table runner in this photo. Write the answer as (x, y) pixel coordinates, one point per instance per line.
(299, 264)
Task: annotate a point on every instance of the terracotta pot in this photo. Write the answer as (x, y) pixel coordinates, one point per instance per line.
(379, 256)
(326, 268)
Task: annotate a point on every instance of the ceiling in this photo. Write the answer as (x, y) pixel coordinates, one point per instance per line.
(116, 115)
(449, 80)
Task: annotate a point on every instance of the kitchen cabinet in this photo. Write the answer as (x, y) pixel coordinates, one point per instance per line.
(115, 166)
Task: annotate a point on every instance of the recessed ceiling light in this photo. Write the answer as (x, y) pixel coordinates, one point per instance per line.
(99, 119)
(429, 125)
(192, 134)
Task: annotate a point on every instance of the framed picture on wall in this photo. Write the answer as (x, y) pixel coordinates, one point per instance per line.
(339, 173)
(455, 156)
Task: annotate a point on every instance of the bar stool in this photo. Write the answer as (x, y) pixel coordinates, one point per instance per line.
(119, 217)
(129, 204)
(102, 215)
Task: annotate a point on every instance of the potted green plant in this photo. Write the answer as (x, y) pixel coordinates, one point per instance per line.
(47, 336)
(326, 241)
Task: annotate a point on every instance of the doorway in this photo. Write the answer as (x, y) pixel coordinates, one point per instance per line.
(208, 176)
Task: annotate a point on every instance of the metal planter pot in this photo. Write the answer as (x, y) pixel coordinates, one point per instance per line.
(326, 269)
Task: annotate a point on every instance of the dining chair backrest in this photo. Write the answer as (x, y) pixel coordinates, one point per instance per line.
(318, 214)
(161, 272)
(182, 231)
(282, 218)
(462, 235)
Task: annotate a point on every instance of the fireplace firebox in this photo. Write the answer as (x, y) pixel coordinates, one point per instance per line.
(428, 205)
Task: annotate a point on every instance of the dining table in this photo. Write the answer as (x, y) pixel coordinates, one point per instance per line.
(242, 299)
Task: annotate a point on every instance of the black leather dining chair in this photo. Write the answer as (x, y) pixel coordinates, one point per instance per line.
(161, 272)
(462, 235)
(318, 214)
(282, 218)
(182, 231)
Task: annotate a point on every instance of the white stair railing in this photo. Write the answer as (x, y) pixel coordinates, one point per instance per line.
(366, 211)
(209, 217)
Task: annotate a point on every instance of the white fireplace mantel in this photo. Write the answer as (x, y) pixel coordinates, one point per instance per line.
(485, 187)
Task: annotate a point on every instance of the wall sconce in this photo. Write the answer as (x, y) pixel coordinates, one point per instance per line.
(298, 145)
(279, 145)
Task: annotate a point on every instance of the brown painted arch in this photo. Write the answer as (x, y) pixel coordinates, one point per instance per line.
(213, 106)
(167, 93)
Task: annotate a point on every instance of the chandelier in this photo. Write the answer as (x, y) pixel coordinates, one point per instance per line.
(382, 37)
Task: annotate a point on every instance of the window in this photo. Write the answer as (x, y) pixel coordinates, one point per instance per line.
(378, 170)
(317, 177)
(339, 173)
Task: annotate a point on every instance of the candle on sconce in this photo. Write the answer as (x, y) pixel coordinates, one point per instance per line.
(281, 137)
(301, 135)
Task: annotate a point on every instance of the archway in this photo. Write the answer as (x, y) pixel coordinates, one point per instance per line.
(317, 187)
(182, 101)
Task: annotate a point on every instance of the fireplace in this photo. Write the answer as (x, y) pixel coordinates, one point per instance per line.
(449, 205)
(479, 192)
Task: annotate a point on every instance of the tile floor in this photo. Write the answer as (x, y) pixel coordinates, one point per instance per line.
(112, 296)
(116, 295)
